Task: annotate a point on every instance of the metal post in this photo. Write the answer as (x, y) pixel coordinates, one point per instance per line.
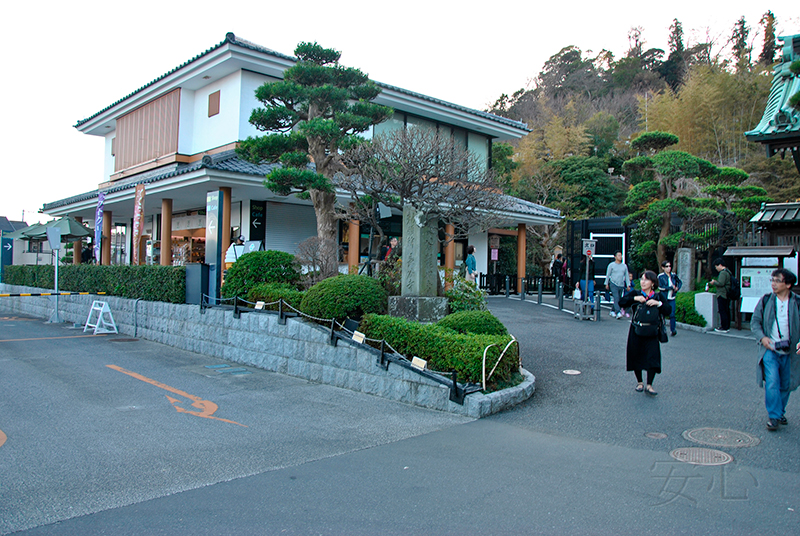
(236, 313)
(508, 286)
(560, 291)
(524, 289)
(597, 314)
(541, 283)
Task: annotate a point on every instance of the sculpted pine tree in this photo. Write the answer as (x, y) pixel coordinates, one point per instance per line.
(316, 110)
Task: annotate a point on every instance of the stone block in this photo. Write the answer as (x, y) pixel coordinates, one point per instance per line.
(706, 305)
(418, 308)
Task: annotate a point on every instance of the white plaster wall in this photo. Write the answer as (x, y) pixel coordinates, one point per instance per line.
(109, 159)
(223, 128)
(250, 82)
(186, 122)
(481, 242)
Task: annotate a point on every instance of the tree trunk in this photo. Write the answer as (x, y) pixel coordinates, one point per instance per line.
(661, 249)
(324, 203)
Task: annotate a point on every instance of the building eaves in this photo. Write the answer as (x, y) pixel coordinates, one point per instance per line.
(778, 213)
(225, 161)
(230, 38)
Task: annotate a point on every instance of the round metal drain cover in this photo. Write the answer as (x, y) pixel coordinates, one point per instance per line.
(720, 437)
(701, 456)
(655, 435)
(572, 372)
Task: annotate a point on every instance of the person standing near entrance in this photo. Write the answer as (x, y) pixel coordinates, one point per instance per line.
(776, 326)
(722, 284)
(616, 279)
(472, 265)
(669, 284)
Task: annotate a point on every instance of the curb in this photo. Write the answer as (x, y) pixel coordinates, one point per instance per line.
(481, 405)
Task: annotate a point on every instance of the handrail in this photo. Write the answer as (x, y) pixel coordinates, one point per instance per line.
(502, 354)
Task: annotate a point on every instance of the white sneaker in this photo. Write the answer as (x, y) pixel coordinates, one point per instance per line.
(612, 313)
(619, 315)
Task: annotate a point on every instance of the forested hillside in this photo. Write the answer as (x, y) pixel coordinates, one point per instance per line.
(586, 110)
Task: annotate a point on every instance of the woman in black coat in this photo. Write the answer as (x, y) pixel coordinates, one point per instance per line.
(644, 353)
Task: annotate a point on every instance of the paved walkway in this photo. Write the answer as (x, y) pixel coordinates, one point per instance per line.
(586, 455)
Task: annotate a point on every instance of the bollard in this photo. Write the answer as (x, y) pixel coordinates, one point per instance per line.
(508, 286)
(541, 279)
(597, 315)
(560, 292)
(524, 289)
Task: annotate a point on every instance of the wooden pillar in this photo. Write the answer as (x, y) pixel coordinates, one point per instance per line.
(77, 247)
(449, 255)
(225, 220)
(521, 254)
(166, 232)
(353, 243)
(105, 249)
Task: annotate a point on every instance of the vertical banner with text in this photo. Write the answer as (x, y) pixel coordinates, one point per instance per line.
(214, 209)
(258, 213)
(98, 225)
(138, 223)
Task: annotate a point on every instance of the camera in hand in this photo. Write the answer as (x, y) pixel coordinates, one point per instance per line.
(782, 346)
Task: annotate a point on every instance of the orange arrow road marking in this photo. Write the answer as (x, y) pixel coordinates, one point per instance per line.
(3, 438)
(206, 407)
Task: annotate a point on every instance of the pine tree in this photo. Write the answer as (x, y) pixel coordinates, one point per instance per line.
(741, 52)
(767, 56)
(316, 110)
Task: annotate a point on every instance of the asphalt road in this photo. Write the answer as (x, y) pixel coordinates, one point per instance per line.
(97, 450)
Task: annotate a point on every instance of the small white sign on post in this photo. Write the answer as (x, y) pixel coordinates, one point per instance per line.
(588, 246)
(104, 321)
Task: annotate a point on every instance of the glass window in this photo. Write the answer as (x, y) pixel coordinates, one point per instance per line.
(396, 122)
(479, 146)
(417, 122)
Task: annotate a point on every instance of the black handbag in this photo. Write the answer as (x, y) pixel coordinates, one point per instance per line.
(647, 321)
(662, 330)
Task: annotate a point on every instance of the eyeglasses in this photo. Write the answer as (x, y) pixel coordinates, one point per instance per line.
(667, 266)
(776, 280)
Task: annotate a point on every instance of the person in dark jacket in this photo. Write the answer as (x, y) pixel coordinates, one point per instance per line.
(669, 284)
(644, 353)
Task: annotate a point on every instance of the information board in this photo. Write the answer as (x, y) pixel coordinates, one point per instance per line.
(258, 219)
(214, 243)
(755, 282)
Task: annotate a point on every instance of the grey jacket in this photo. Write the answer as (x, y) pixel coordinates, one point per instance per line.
(761, 325)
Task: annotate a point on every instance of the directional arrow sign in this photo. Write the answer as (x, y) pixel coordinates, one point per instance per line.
(8, 247)
(256, 223)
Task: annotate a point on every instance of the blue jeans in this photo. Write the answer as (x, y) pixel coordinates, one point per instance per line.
(590, 296)
(616, 293)
(776, 382)
(671, 316)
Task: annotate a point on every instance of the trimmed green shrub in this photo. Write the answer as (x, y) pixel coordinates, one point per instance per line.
(477, 322)
(345, 296)
(272, 292)
(465, 296)
(446, 350)
(685, 311)
(260, 267)
(151, 283)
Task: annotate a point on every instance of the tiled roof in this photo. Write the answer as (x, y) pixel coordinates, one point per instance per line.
(228, 161)
(225, 161)
(780, 119)
(9, 225)
(778, 213)
(232, 39)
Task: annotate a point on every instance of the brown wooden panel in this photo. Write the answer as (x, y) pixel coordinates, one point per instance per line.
(213, 104)
(149, 132)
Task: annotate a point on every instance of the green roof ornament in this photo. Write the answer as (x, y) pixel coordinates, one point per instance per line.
(779, 128)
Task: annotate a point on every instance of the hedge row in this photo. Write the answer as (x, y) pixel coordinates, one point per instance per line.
(151, 283)
(445, 349)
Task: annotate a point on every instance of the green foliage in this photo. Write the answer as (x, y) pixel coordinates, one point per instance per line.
(596, 195)
(345, 296)
(465, 296)
(603, 130)
(676, 165)
(654, 141)
(445, 349)
(685, 311)
(272, 292)
(502, 161)
(795, 67)
(260, 267)
(151, 283)
(794, 100)
(478, 322)
(642, 194)
(390, 275)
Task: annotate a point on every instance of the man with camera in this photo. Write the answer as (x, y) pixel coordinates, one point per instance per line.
(776, 325)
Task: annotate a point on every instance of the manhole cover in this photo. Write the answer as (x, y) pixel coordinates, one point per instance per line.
(655, 435)
(572, 372)
(123, 340)
(701, 456)
(720, 437)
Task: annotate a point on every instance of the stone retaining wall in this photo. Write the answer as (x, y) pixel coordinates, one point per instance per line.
(298, 348)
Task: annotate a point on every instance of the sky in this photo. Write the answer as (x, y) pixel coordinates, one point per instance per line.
(67, 61)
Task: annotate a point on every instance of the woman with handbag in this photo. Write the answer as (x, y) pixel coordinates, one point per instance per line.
(643, 350)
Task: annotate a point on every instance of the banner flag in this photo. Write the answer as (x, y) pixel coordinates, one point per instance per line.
(98, 225)
(138, 223)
